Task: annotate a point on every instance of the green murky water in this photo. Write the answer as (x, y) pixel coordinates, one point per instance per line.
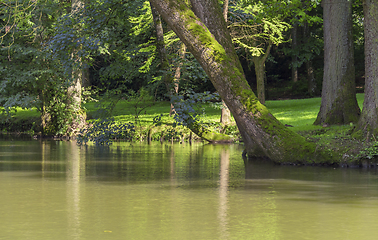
(57, 190)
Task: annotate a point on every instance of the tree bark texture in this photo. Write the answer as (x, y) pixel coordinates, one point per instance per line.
(339, 103)
(368, 122)
(195, 127)
(262, 133)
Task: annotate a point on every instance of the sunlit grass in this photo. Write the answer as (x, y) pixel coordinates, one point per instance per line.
(298, 113)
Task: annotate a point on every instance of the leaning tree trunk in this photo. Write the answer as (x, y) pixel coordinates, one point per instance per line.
(339, 103)
(194, 126)
(262, 132)
(368, 123)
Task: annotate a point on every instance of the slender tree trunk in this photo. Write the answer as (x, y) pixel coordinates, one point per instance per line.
(177, 76)
(225, 9)
(294, 59)
(262, 133)
(339, 103)
(225, 112)
(160, 47)
(162, 52)
(259, 63)
(74, 90)
(311, 81)
(368, 124)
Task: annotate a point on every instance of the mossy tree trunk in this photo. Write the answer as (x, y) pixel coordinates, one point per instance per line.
(262, 133)
(368, 123)
(195, 127)
(339, 103)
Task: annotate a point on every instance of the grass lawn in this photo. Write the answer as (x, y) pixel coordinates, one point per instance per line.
(299, 113)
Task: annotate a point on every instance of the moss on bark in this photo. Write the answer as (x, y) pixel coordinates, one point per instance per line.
(261, 131)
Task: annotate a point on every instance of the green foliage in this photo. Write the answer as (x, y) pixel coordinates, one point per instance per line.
(104, 131)
(190, 106)
(256, 24)
(31, 77)
(369, 152)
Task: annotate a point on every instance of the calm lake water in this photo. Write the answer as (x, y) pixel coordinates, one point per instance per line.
(57, 190)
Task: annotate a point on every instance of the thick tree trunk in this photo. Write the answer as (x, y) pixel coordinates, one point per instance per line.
(262, 132)
(368, 123)
(195, 127)
(339, 103)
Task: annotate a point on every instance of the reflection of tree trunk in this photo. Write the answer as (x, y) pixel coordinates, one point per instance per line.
(223, 191)
(172, 161)
(75, 169)
(294, 45)
(45, 157)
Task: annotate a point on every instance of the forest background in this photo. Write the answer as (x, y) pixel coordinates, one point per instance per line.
(56, 55)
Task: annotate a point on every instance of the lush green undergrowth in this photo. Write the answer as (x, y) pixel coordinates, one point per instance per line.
(298, 114)
(151, 120)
